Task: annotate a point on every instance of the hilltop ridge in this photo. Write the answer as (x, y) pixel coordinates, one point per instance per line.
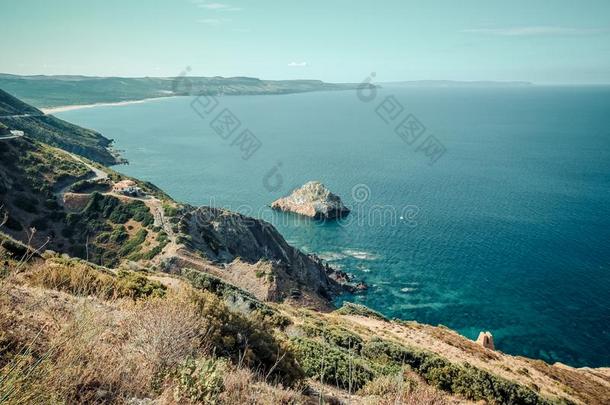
(18, 115)
(54, 91)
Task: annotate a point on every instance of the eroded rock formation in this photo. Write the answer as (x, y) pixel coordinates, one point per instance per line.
(312, 200)
(257, 258)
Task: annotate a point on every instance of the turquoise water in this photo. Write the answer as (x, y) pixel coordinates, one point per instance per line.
(509, 231)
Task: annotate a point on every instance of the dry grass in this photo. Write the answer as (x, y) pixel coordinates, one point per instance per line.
(406, 388)
(243, 387)
(106, 356)
(87, 350)
(79, 278)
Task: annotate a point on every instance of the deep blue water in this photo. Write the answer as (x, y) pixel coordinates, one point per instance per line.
(511, 230)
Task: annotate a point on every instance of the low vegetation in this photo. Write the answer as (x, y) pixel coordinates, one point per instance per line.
(349, 308)
(54, 131)
(331, 353)
(139, 339)
(78, 278)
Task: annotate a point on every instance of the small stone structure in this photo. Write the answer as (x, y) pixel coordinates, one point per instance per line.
(128, 188)
(486, 340)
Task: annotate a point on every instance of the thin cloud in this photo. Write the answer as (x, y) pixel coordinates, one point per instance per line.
(297, 64)
(217, 6)
(535, 31)
(214, 21)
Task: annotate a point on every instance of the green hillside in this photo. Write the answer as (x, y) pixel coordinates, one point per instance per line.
(15, 114)
(52, 91)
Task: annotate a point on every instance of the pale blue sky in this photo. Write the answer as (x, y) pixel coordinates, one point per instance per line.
(334, 40)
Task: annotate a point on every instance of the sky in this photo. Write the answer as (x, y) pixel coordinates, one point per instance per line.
(554, 41)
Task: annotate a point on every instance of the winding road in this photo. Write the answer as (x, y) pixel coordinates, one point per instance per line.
(98, 175)
(22, 115)
(2, 138)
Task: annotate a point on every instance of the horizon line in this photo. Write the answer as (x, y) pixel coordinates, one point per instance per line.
(473, 81)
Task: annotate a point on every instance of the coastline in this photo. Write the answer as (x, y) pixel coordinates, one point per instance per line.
(59, 109)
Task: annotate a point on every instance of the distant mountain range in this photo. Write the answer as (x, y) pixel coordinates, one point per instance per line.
(454, 83)
(53, 91)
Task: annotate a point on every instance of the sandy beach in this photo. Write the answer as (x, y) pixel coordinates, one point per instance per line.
(55, 110)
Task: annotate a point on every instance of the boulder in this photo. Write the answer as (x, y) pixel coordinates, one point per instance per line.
(312, 200)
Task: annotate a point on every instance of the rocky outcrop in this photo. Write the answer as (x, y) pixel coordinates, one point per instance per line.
(486, 340)
(312, 200)
(252, 251)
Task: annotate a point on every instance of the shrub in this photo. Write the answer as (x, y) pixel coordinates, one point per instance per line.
(234, 336)
(335, 335)
(169, 210)
(386, 352)
(135, 286)
(466, 380)
(242, 387)
(133, 244)
(349, 308)
(89, 356)
(41, 224)
(13, 224)
(155, 251)
(26, 203)
(163, 333)
(400, 389)
(119, 234)
(236, 298)
(387, 384)
(80, 279)
(200, 380)
(116, 211)
(332, 365)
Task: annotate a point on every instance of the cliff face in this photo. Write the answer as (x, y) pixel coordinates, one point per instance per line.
(244, 246)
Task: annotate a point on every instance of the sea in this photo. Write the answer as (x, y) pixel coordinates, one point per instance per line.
(477, 208)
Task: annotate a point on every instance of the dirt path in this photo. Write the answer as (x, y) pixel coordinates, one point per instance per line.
(97, 175)
(173, 249)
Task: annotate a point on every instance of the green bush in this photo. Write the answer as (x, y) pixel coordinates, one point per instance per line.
(136, 285)
(236, 297)
(119, 234)
(349, 308)
(41, 224)
(169, 210)
(251, 342)
(332, 365)
(133, 244)
(26, 203)
(154, 251)
(135, 210)
(116, 211)
(200, 381)
(465, 380)
(335, 335)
